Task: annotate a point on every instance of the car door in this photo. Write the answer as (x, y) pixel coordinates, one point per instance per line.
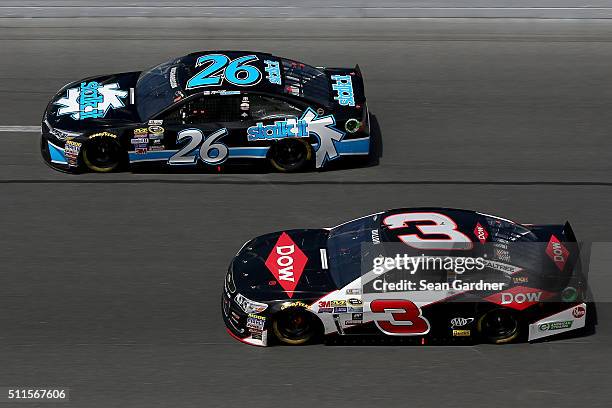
(200, 130)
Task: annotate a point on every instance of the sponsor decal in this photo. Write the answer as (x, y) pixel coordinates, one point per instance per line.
(519, 297)
(343, 85)
(461, 321)
(156, 130)
(141, 132)
(281, 129)
(342, 309)
(578, 312)
(103, 134)
(273, 72)
(353, 291)
(286, 262)
(352, 322)
(156, 122)
(357, 316)
(556, 325)
(309, 124)
(294, 304)
(71, 152)
(355, 302)
(324, 303)
(139, 140)
(338, 303)
(462, 333)
(255, 322)
(351, 309)
(326, 310)
(520, 279)
(91, 100)
(502, 254)
(557, 252)
(173, 81)
(375, 237)
(481, 233)
(257, 335)
(140, 150)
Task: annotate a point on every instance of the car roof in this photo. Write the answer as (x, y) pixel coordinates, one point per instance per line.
(261, 61)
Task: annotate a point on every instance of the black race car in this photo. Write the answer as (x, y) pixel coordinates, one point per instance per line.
(206, 109)
(424, 275)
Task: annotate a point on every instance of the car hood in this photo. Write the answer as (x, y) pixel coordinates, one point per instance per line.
(284, 265)
(94, 102)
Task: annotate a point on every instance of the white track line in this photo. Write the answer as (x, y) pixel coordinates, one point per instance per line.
(20, 129)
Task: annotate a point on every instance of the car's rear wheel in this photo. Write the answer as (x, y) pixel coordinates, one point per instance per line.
(295, 326)
(290, 154)
(103, 154)
(499, 326)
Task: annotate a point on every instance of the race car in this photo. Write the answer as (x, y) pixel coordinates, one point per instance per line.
(411, 275)
(208, 109)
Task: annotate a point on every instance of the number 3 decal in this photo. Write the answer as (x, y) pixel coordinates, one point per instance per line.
(440, 224)
(404, 317)
(219, 68)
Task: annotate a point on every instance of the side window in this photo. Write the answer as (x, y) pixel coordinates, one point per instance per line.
(266, 107)
(206, 109)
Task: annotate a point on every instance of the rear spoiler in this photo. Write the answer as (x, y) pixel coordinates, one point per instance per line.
(568, 232)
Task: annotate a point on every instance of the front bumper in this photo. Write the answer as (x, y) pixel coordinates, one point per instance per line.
(248, 328)
(62, 155)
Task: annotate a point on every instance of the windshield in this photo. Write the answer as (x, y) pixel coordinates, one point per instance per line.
(306, 81)
(157, 88)
(344, 248)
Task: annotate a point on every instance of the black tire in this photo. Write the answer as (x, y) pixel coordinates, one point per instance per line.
(290, 154)
(499, 326)
(103, 154)
(295, 326)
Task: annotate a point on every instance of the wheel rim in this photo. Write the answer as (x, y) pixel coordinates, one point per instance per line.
(103, 155)
(294, 326)
(290, 154)
(499, 326)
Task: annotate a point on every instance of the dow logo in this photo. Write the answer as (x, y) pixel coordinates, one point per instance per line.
(519, 297)
(286, 262)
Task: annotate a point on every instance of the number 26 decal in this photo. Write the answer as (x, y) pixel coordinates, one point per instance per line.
(210, 151)
(438, 224)
(404, 317)
(218, 68)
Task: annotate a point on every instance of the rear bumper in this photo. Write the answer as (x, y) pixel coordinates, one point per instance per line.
(571, 319)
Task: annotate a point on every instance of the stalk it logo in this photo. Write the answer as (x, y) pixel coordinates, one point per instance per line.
(343, 84)
(286, 262)
(557, 252)
(279, 130)
(91, 101)
(273, 70)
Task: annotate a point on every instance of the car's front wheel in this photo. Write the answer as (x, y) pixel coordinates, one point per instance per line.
(290, 154)
(103, 154)
(499, 326)
(295, 326)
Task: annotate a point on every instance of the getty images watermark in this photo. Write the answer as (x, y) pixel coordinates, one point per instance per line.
(411, 265)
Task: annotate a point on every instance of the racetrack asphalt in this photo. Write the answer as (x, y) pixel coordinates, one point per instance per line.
(110, 284)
